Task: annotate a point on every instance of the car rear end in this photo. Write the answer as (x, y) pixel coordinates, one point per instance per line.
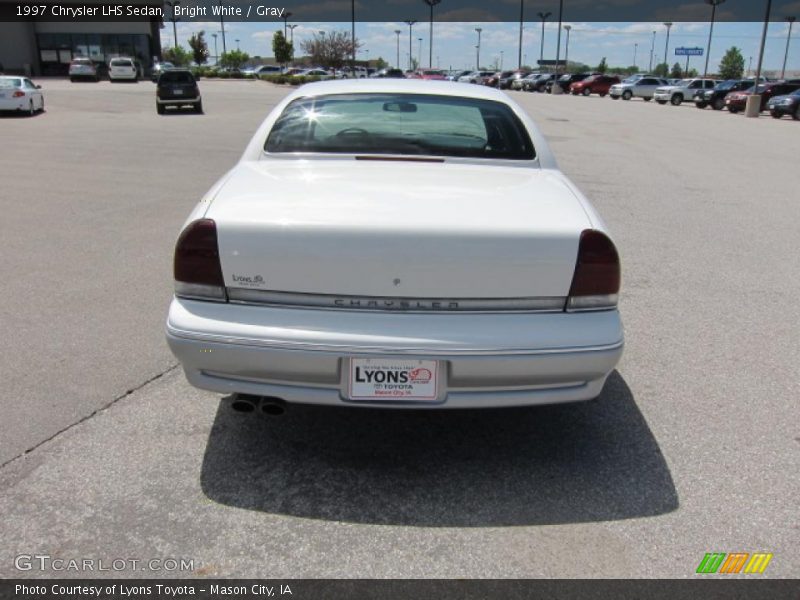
(13, 94)
(122, 69)
(312, 281)
(177, 88)
(82, 68)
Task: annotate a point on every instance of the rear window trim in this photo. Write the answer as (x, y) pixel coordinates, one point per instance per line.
(505, 161)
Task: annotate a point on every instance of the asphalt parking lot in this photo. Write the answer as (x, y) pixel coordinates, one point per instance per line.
(108, 453)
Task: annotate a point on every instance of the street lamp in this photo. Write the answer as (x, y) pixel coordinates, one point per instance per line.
(222, 29)
(501, 59)
(286, 16)
(558, 38)
(419, 53)
(172, 4)
(543, 17)
(566, 54)
(216, 55)
(714, 4)
(635, 51)
(652, 51)
(521, 19)
(237, 45)
(791, 21)
(431, 4)
(398, 32)
(410, 52)
(666, 46)
(753, 106)
(478, 58)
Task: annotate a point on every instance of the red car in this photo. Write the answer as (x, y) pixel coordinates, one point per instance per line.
(596, 84)
(736, 101)
(430, 74)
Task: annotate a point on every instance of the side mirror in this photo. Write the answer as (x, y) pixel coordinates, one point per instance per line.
(38, 87)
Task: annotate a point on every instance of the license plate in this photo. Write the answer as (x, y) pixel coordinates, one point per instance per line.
(178, 92)
(390, 379)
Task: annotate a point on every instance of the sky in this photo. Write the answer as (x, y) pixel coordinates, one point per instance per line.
(454, 43)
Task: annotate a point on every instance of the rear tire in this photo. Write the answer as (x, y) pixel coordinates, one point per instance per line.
(160, 108)
(775, 115)
(733, 110)
(676, 100)
(646, 99)
(718, 104)
(31, 110)
(701, 104)
(615, 97)
(72, 79)
(661, 102)
(198, 107)
(796, 113)
(627, 95)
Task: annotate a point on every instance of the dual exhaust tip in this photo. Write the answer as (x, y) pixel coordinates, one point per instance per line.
(268, 405)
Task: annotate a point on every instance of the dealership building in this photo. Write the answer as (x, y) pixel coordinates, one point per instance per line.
(42, 47)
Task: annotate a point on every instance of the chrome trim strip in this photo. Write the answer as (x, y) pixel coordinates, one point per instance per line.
(357, 350)
(548, 304)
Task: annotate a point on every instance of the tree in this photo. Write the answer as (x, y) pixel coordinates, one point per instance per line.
(199, 48)
(380, 63)
(177, 56)
(732, 64)
(233, 59)
(677, 71)
(661, 70)
(603, 66)
(283, 49)
(330, 50)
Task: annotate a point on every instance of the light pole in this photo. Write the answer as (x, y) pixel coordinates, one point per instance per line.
(501, 59)
(543, 17)
(714, 4)
(172, 5)
(478, 58)
(791, 21)
(566, 54)
(521, 19)
(652, 51)
(398, 32)
(353, 33)
(286, 16)
(237, 45)
(222, 29)
(410, 52)
(419, 53)
(558, 38)
(635, 51)
(753, 106)
(749, 66)
(431, 4)
(666, 46)
(216, 55)
(291, 33)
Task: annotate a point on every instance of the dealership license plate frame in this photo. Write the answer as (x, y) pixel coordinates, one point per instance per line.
(422, 393)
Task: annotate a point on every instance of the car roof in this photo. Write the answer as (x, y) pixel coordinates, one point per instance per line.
(399, 86)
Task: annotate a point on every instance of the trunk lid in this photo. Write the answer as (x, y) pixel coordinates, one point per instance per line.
(398, 229)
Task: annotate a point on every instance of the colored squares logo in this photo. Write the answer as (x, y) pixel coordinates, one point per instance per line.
(733, 563)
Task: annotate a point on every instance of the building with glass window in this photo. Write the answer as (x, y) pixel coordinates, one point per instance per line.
(46, 48)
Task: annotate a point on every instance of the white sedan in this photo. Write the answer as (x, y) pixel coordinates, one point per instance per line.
(20, 94)
(397, 243)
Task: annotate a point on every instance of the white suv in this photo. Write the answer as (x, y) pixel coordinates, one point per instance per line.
(122, 69)
(684, 90)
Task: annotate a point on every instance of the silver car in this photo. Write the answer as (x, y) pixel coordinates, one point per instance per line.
(643, 88)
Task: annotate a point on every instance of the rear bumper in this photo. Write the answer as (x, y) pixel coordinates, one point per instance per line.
(177, 101)
(487, 360)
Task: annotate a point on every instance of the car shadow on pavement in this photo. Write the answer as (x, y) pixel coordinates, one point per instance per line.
(591, 461)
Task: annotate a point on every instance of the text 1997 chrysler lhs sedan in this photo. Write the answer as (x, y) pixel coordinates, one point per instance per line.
(399, 244)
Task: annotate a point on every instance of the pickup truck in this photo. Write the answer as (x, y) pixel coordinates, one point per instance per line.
(683, 90)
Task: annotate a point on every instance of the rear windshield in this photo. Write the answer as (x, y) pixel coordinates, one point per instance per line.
(121, 62)
(176, 77)
(81, 61)
(405, 124)
(10, 83)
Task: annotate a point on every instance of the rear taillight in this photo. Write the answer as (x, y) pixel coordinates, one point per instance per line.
(595, 284)
(198, 273)
(18, 94)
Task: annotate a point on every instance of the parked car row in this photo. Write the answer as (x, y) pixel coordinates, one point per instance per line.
(120, 68)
